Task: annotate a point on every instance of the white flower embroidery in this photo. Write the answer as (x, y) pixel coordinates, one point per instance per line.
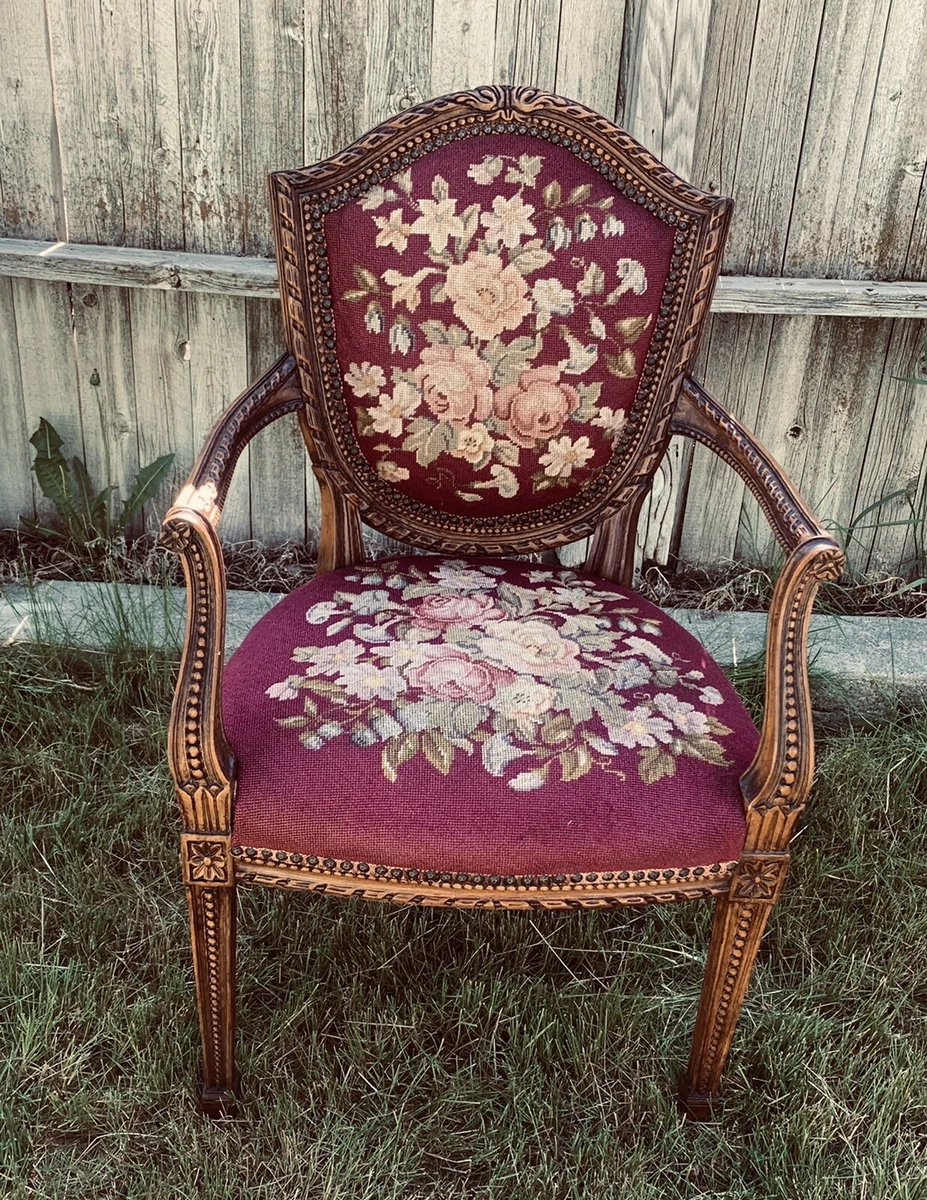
(559, 235)
(400, 337)
(367, 680)
(585, 228)
(321, 613)
(683, 715)
(405, 288)
(525, 702)
(391, 472)
(282, 691)
(439, 221)
(365, 380)
(329, 660)
(393, 231)
(710, 695)
(612, 420)
(508, 221)
(391, 411)
(612, 227)
(473, 443)
(462, 579)
(486, 171)
(641, 729)
(633, 279)
(563, 454)
(551, 298)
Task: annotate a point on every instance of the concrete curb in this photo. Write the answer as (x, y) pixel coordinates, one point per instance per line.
(864, 666)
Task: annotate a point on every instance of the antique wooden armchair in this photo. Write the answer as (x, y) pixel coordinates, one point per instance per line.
(492, 302)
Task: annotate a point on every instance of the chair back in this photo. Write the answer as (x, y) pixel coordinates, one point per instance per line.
(492, 299)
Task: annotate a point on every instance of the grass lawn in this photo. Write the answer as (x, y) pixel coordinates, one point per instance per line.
(402, 1053)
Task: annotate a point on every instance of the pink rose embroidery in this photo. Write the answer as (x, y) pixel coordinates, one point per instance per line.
(439, 611)
(455, 383)
(487, 296)
(451, 674)
(537, 406)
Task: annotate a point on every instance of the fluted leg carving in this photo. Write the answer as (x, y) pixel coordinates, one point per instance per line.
(740, 919)
(212, 930)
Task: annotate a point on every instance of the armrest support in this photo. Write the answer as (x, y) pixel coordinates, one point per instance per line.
(277, 392)
(201, 761)
(776, 784)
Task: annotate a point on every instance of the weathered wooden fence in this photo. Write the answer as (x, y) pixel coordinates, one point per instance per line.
(151, 124)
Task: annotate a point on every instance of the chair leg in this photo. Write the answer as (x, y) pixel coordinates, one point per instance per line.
(739, 922)
(212, 929)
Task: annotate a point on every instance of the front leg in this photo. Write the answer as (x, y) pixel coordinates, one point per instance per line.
(210, 888)
(740, 919)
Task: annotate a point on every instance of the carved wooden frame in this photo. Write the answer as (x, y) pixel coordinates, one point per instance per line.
(301, 200)
(775, 786)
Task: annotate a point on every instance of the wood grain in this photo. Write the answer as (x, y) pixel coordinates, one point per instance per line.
(16, 481)
(664, 51)
(462, 44)
(526, 43)
(31, 188)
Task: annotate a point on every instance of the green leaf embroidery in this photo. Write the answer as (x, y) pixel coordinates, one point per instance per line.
(655, 764)
(574, 764)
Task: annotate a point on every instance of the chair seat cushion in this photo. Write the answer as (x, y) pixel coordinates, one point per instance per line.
(483, 715)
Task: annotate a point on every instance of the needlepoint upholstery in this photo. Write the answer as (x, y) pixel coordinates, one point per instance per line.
(495, 302)
(483, 715)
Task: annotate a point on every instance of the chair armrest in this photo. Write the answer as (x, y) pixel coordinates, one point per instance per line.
(200, 759)
(702, 418)
(277, 392)
(776, 784)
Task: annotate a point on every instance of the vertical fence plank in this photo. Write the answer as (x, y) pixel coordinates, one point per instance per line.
(106, 384)
(732, 363)
(272, 80)
(46, 364)
(117, 91)
(463, 44)
(335, 39)
(30, 163)
(527, 34)
(16, 497)
(819, 391)
(218, 373)
(589, 52)
(161, 363)
(895, 458)
(665, 47)
(278, 453)
(398, 57)
(31, 206)
(214, 202)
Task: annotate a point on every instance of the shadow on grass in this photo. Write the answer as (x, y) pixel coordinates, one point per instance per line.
(395, 1053)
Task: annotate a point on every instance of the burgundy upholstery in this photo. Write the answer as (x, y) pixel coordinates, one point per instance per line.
(495, 302)
(483, 715)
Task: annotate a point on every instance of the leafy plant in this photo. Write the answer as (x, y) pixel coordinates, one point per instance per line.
(88, 515)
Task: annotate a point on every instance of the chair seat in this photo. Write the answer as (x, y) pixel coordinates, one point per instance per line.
(483, 716)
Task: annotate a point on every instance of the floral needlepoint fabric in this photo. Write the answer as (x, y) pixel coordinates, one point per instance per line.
(484, 715)
(495, 303)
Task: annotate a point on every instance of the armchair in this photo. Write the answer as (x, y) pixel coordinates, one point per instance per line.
(492, 304)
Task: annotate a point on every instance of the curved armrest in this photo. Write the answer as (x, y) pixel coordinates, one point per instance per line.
(277, 392)
(201, 762)
(776, 784)
(702, 418)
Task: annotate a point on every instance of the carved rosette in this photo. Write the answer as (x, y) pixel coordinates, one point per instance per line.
(205, 860)
(760, 877)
